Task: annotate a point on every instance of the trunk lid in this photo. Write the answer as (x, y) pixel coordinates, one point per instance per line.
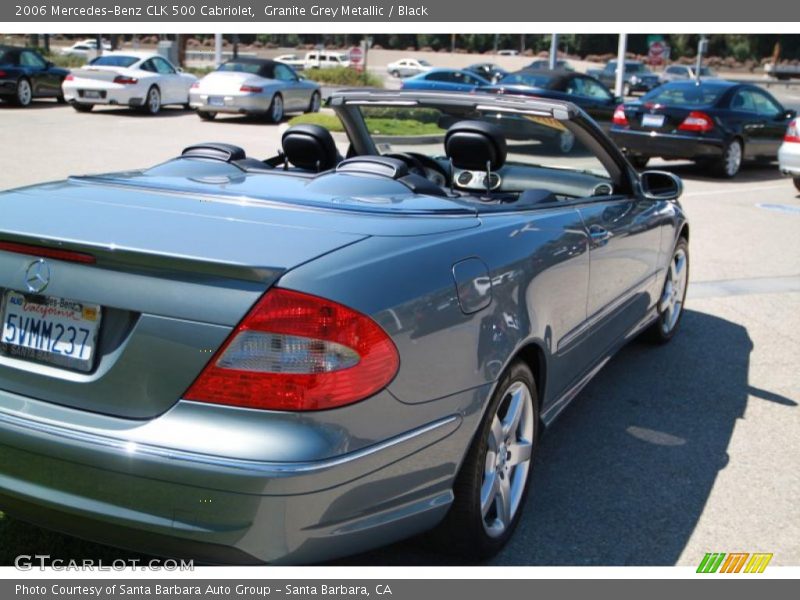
(99, 73)
(657, 117)
(179, 262)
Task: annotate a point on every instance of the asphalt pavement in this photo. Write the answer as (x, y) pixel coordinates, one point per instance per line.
(672, 451)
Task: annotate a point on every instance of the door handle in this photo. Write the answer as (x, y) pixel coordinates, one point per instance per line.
(599, 235)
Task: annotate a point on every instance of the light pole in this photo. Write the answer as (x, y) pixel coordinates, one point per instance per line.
(553, 51)
(621, 48)
(702, 47)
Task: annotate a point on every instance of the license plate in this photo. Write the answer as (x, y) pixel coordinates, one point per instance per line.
(50, 330)
(91, 94)
(652, 120)
(216, 101)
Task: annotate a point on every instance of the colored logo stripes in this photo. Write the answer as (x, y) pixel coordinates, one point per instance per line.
(734, 562)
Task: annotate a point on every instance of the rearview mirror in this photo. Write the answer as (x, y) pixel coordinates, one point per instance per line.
(660, 185)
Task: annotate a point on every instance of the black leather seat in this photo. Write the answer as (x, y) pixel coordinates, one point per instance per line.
(310, 148)
(474, 145)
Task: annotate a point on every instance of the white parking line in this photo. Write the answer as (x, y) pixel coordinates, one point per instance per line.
(739, 189)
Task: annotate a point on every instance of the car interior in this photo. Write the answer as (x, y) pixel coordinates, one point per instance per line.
(474, 167)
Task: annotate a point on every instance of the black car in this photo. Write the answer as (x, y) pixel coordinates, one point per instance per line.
(25, 75)
(587, 92)
(637, 77)
(720, 123)
(489, 71)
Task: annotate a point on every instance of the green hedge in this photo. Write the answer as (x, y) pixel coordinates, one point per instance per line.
(343, 76)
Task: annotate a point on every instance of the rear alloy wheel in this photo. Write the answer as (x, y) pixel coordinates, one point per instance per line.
(315, 104)
(730, 162)
(152, 102)
(275, 112)
(492, 486)
(673, 295)
(206, 115)
(395, 73)
(24, 95)
(797, 183)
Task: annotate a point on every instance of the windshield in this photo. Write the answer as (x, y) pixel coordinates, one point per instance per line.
(114, 60)
(685, 93)
(532, 141)
(528, 79)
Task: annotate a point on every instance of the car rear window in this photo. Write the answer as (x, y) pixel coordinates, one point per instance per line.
(114, 61)
(685, 93)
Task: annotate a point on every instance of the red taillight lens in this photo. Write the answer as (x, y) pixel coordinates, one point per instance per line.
(3, 73)
(195, 85)
(44, 252)
(697, 121)
(123, 80)
(69, 77)
(792, 132)
(298, 352)
(619, 116)
(251, 88)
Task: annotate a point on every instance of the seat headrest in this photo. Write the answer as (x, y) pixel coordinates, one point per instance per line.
(471, 144)
(310, 147)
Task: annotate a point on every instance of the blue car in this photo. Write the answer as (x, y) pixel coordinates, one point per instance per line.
(25, 75)
(294, 358)
(446, 80)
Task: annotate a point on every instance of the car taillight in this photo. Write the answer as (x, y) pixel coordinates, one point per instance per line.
(45, 252)
(69, 77)
(619, 116)
(792, 132)
(697, 121)
(298, 352)
(122, 79)
(3, 73)
(195, 85)
(251, 88)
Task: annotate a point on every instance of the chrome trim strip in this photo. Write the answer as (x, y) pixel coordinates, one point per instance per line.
(657, 135)
(131, 448)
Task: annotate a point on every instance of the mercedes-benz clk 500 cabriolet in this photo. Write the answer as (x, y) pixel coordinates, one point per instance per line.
(356, 340)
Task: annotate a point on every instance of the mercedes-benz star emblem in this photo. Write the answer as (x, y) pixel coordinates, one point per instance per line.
(37, 276)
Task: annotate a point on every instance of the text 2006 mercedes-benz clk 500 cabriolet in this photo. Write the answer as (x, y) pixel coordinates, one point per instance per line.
(356, 340)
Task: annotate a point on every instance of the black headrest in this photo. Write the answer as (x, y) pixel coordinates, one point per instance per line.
(310, 147)
(471, 144)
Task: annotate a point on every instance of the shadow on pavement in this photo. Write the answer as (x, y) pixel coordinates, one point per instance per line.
(752, 172)
(623, 476)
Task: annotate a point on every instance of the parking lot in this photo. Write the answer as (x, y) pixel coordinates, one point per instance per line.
(671, 452)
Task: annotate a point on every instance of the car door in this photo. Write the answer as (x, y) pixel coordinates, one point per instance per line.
(295, 95)
(744, 118)
(36, 68)
(774, 120)
(624, 238)
(172, 86)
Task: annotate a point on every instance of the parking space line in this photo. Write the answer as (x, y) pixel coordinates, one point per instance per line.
(740, 189)
(742, 287)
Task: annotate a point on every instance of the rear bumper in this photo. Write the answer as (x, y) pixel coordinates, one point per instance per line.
(8, 87)
(647, 143)
(166, 499)
(254, 104)
(789, 159)
(109, 94)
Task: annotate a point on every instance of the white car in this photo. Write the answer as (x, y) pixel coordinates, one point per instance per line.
(143, 80)
(789, 152)
(508, 53)
(84, 48)
(324, 59)
(293, 60)
(408, 67)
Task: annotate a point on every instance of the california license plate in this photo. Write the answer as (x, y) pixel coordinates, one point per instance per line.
(49, 330)
(652, 120)
(216, 101)
(91, 94)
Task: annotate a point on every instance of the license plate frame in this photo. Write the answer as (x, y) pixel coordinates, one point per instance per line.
(70, 341)
(216, 100)
(92, 94)
(653, 121)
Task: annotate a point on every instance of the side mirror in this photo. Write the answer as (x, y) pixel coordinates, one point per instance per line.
(179, 69)
(48, 65)
(790, 114)
(660, 185)
(300, 77)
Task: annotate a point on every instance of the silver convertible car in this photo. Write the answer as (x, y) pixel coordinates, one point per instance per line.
(256, 87)
(294, 358)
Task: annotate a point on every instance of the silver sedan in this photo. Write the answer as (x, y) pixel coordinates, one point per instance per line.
(254, 86)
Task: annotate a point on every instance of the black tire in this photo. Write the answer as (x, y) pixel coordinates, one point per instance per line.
(796, 181)
(463, 531)
(395, 73)
(271, 115)
(60, 99)
(638, 161)
(24, 93)
(726, 166)
(206, 115)
(81, 107)
(315, 103)
(659, 332)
